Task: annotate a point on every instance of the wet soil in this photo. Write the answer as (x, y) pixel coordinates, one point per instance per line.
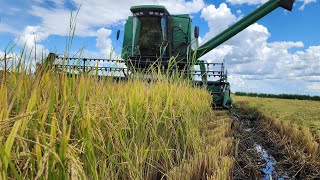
(262, 154)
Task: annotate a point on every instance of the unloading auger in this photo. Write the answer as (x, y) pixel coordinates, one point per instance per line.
(152, 36)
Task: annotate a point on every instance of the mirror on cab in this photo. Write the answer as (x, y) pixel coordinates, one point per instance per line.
(118, 34)
(196, 31)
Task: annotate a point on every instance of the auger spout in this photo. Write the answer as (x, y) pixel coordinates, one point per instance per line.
(253, 17)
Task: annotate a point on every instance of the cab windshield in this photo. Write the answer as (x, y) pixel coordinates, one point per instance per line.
(149, 36)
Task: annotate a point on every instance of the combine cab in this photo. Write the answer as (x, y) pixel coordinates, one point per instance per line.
(153, 35)
(155, 38)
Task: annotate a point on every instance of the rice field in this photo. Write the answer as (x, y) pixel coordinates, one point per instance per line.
(53, 126)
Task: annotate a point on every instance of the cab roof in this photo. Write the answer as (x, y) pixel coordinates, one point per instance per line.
(140, 8)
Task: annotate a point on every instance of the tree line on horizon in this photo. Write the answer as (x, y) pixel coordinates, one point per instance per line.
(280, 96)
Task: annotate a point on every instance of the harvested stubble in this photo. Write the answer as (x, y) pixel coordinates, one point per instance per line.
(297, 119)
(80, 127)
(292, 125)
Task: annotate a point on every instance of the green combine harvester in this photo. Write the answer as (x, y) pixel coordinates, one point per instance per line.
(153, 36)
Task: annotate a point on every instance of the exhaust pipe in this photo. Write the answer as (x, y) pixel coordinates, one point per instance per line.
(286, 4)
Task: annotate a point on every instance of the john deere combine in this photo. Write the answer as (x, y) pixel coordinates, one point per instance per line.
(153, 36)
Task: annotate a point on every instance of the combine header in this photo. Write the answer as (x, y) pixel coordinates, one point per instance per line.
(154, 37)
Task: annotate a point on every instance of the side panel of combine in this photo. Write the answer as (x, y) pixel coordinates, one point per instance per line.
(127, 39)
(220, 92)
(227, 100)
(181, 35)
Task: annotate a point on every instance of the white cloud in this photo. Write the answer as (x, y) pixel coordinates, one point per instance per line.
(306, 63)
(218, 54)
(306, 2)
(257, 2)
(104, 43)
(7, 28)
(179, 6)
(314, 86)
(101, 13)
(104, 46)
(9, 56)
(218, 18)
(1, 55)
(38, 1)
(57, 21)
(250, 2)
(255, 64)
(30, 39)
(32, 34)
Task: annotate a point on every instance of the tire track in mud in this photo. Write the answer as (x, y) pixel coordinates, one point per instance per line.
(261, 153)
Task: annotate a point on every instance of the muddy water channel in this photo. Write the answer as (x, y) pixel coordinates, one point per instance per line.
(258, 157)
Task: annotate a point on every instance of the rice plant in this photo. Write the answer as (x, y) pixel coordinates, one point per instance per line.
(55, 126)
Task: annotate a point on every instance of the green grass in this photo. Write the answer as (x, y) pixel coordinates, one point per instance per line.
(297, 119)
(54, 126)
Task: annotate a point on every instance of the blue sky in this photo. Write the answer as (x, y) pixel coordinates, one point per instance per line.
(278, 54)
